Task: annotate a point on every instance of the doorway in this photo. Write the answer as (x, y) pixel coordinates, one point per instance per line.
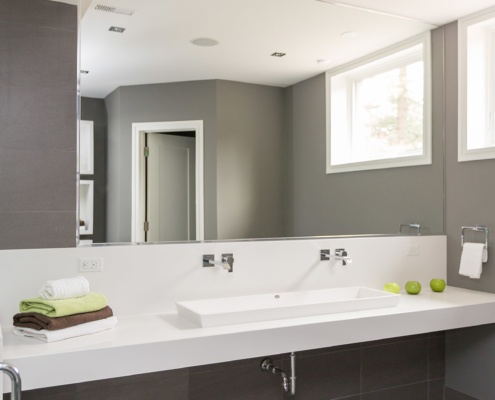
(167, 181)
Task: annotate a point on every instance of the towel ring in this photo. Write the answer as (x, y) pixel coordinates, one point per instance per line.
(479, 228)
(412, 225)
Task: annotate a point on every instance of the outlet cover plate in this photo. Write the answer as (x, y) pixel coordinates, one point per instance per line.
(93, 264)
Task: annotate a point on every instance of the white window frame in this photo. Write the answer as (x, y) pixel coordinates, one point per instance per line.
(488, 152)
(422, 159)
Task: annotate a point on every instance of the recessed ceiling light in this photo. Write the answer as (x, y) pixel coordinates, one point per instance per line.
(204, 42)
(349, 34)
(278, 54)
(117, 29)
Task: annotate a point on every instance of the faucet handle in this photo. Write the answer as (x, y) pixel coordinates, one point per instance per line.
(208, 260)
(340, 252)
(228, 258)
(340, 255)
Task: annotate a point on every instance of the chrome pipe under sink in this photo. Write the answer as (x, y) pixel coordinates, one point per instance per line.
(15, 377)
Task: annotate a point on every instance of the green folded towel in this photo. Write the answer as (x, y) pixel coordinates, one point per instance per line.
(60, 308)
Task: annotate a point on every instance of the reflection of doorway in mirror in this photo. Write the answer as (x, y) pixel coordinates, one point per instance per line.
(169, 187)
(170, 178)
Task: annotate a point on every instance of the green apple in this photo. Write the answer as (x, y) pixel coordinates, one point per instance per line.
(391, 287)
(413, 287)
(437, 285)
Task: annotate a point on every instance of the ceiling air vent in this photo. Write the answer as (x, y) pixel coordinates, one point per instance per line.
(115, 10)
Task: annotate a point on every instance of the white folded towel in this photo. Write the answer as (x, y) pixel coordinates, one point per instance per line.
(67, 333)
(473, 255)
(65, 288)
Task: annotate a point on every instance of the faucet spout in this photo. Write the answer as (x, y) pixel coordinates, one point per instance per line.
(227, 261)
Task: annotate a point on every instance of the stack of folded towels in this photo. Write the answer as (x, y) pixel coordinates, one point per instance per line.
(64, 309)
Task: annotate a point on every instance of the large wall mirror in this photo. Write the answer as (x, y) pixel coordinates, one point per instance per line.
(253, 75)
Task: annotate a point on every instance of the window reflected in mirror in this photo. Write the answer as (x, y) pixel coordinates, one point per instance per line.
(379, 110)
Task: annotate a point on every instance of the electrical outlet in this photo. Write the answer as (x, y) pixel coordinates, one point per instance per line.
(413, 250)
(90, 264)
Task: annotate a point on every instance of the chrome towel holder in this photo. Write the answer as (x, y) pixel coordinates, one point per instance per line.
(479, 228)
(412, 225)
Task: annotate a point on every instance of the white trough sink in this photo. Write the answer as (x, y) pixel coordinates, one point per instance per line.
(267, 307)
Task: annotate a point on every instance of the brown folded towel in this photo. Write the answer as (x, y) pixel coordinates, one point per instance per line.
(39, 321)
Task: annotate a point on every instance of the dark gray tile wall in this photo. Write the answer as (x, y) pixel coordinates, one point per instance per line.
(436, 389)
(330, 375)
(408, 368)
(38, 113)
(96, 111)
(451, 394)
(395, 364)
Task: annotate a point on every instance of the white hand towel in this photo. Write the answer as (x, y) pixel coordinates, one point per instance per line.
(473, 255)
(67, 333)
(65, 288)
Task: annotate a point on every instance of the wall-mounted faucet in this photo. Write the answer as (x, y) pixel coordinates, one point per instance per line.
(340, 255)
(226, 263)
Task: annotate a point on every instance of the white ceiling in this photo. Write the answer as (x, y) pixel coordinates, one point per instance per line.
(155, 46)
(438, 12)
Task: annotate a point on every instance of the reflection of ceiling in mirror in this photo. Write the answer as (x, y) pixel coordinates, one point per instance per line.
(156, 44)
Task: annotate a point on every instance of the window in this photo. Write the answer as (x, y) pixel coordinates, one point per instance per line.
(378, 110)
(476, 87)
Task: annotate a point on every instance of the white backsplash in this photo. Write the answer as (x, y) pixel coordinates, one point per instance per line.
(144, 279)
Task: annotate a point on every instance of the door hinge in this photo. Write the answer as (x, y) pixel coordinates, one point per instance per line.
(146, 151)
(146, 226)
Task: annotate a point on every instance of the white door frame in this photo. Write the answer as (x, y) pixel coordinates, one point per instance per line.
(138, 130)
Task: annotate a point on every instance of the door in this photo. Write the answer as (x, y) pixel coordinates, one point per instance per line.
(170, 187)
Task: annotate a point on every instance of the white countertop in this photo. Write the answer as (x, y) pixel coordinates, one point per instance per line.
(149, 343)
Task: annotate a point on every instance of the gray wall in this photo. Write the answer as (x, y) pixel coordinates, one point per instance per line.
(243, 169)
(153, 103)
(470, 187)
(250, 173)
(38, 103)
(470, 192)
(375, 201)
(95, 110)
